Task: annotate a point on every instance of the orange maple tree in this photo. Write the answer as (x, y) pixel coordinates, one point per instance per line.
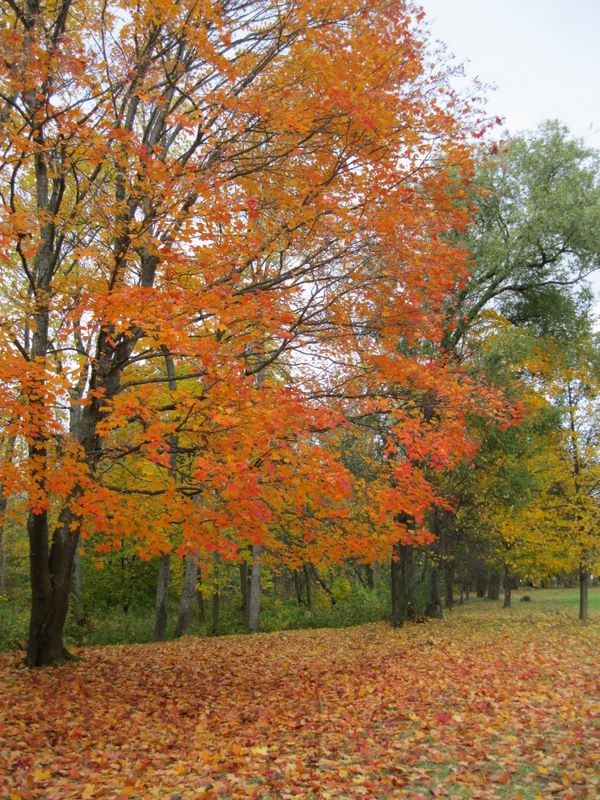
(223, 227)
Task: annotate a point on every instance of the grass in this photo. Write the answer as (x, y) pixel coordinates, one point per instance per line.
(558, 599)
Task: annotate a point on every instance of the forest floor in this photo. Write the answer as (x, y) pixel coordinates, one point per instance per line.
(486, 704)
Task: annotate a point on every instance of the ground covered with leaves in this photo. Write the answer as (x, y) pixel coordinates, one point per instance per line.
(483, 705)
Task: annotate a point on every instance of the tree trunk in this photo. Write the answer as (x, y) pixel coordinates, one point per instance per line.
(357, 572)
(480, 583)
(370, 574)
(186, 605)
(584, 582)
(433, 607)
(201, 605)
(322, 584)
(162, 599)
(50, 567)
(3, 544)
(50, 574)
(77, 577)
(507, 585)
(493, 587)
(444, 549)
(376, 573)
(397, 619)
(162, 583)
(307, 583)
(216, 610)
(298, 588)
(400, 583)
(254, 599)
(449, 585)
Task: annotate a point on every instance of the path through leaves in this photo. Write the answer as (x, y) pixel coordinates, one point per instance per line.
(478, 706)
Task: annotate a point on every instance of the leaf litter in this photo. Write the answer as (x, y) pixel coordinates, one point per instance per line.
(468, 707)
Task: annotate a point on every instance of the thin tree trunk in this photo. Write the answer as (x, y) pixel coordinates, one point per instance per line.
(77, 577)
(307, 583)
(584, 573)
(75, 420)
(397, 620)
(433, 607)
(257, 549)
(254, 599)
(370, 575)
(481, 583)
(298, 588)
(376, 573)
(216, 610)
(584, 582)
(3, 543)
(359, 581)
(201, 605)
(186, 605)
(507, 585)
(400, 584)
(449, 585)
(493, 587)
(162, 581)
(322, 584)
(162, 599)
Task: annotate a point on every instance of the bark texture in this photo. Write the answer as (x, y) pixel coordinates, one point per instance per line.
(254, 599)
(584, 583)
(188, 594)
(162, 599)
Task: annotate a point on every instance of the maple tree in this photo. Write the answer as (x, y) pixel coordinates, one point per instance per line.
(194, 195)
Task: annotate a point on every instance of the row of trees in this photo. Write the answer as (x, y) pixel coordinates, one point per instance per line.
(264, 302)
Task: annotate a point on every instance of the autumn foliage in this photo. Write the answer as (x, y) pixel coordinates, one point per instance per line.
(226, 236)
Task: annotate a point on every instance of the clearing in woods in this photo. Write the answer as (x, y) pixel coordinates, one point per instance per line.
(485, 704)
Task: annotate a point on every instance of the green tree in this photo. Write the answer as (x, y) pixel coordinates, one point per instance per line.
(536, 234)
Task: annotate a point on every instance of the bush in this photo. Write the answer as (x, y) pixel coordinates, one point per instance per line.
(356, 607)
(14, 624)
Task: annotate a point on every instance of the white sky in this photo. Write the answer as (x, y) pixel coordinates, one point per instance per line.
(543, 56)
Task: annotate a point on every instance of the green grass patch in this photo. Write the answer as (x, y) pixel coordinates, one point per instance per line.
(556, 599)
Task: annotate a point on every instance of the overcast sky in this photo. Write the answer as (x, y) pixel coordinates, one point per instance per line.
(543, 56)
